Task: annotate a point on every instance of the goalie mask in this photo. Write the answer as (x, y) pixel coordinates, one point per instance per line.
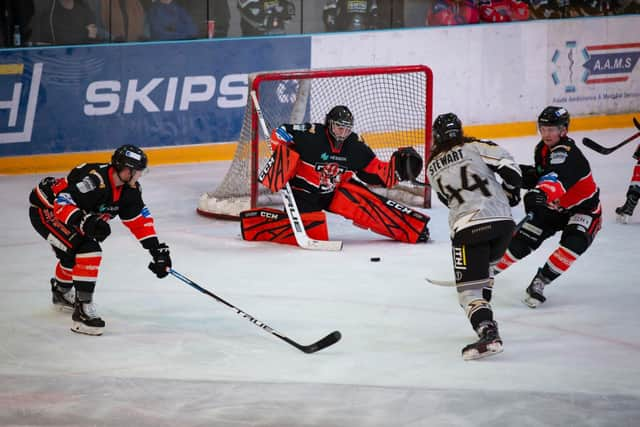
(339, 122)
(554, 116)
(446, 127)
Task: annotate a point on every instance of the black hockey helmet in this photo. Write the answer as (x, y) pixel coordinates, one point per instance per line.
(554, 116)
(129, 156)
(446, 127)
(340, 116)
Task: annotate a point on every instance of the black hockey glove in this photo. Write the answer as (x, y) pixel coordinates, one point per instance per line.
(408, 163)
(95, 227)
(530, 176)
(636, 155)
(161, 260)
(534, 201)
(512, 193)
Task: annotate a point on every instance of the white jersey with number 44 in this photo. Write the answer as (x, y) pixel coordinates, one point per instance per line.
(464, 176)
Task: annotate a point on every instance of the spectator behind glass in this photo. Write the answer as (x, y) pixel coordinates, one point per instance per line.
(390, 14)
(168, 21)
(453, 12)
(350, 15)
(265, 17)
(16, 13)
(221, 14)
(218, 12)
(66, 22)
(626, 6)
(591, 8)
(125, 21)
(503, 10)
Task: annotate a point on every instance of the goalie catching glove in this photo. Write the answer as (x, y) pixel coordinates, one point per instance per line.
(161, 260)
(408, 163)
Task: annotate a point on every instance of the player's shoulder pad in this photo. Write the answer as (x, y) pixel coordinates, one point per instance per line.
(559, 154)
(301, 127)
(486, 142)
(93, 180)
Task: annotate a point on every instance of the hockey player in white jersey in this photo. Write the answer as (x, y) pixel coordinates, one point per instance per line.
(462, 171)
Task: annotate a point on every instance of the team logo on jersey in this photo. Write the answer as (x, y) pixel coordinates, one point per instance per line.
(459, 258)
(327, 156)
(558, 157)
(86, 185)
(23, 91)
(329, 173)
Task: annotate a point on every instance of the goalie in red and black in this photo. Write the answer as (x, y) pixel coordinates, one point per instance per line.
(325, 165)
(562, 197)
(73, 213)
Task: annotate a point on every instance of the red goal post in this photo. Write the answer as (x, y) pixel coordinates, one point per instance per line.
(392, 108)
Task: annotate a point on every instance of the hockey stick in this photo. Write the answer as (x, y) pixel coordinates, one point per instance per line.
(604, 150)
(290, 206)
(449, 283)
(323, 343)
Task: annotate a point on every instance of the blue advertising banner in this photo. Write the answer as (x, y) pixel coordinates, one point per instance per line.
(83, 98)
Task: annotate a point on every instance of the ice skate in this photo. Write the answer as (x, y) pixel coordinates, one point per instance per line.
(535, 291)
(86, 320)
(623, 214)
(489, 343)
(62, 299)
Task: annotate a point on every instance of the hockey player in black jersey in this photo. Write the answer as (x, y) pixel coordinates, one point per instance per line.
(624, 212)
(325, 165)
(73, 214)
(463, 171)
(562, 196)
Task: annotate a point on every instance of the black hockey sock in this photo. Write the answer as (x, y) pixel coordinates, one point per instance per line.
(633, 195)
(547, 274)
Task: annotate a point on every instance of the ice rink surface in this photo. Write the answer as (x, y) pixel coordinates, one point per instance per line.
(171, 356)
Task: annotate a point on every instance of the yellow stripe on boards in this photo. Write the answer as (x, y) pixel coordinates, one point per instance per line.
(6, 69)
(226, 151)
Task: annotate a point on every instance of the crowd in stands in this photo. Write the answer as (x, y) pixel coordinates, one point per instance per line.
(64, 22)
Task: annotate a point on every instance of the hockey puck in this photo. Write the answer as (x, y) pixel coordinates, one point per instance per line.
(374, 259)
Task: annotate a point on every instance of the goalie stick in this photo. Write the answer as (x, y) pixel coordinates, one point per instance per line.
(608, 150)
(449, 283)
(290, 206)
(323, 343)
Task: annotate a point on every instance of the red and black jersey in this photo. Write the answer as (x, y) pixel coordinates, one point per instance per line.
(565, 177)
(322, 164)
(89, 189)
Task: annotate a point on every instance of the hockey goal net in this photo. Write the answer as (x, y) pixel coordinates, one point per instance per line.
(392, 108)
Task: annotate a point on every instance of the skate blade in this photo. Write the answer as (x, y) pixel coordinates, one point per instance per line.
(474, 354)
(531, 302)
(62, 308)
(81, 328)
(622, 219)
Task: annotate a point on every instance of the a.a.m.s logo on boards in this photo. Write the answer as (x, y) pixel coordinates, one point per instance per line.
(593, 64)
(19, 89)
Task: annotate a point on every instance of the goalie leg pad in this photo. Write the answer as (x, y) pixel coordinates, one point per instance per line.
(280, 168)
(379, 214)
(272, 225)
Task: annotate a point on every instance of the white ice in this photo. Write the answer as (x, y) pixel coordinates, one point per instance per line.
(172, 356)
